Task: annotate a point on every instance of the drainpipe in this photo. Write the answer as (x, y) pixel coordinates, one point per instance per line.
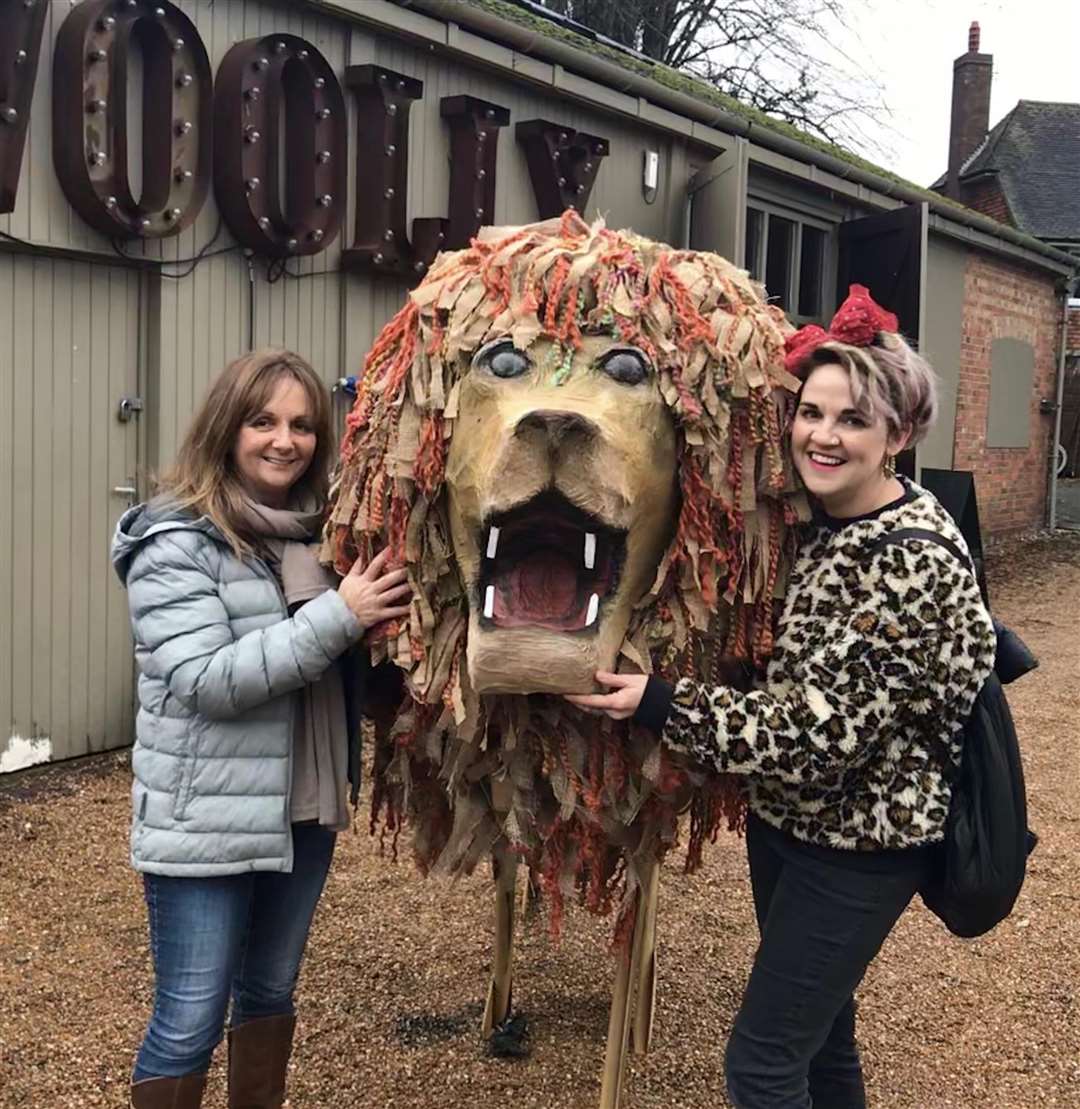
(1068, 290)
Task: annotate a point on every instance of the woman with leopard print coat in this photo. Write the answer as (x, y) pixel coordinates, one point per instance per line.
(849, 743)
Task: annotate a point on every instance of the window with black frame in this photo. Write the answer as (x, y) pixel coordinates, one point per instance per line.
(789, 253)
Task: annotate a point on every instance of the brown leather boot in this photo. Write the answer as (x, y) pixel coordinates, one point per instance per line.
(259, 1053)
(169, 1093)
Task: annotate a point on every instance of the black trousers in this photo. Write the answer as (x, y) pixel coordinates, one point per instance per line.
(823, 915)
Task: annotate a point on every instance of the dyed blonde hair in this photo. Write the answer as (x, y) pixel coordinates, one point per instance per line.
(888, 379)
(204, 477)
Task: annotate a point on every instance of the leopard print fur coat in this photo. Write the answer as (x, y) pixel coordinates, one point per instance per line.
(851, 739)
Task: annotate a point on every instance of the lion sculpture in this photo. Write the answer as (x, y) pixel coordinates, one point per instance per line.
(572, 438)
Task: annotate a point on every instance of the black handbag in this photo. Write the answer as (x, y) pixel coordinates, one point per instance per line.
(1013, 658)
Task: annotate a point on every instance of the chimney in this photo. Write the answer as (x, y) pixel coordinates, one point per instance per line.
(970, 108)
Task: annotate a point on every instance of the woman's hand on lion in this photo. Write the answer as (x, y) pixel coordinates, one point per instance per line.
(621, 703)
(375, 595)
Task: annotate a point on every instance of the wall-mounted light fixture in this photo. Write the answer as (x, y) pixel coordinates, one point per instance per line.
(650, 175)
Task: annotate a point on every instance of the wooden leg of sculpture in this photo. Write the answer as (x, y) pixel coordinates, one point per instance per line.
(627, 976)
(530, 895)
(497, 1008)
(645, 1004)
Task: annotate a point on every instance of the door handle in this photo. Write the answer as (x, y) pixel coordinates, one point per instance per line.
(128, 408)
(125, 491)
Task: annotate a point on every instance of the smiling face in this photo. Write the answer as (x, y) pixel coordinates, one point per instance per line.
(562, 500)
(275, 445)
(839, 449)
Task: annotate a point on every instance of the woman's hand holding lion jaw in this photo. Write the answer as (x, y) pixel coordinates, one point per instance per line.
(375, 595)
(621, 703)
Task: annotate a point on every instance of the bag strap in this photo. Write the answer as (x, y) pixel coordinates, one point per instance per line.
(901, 534)
(1013, 658)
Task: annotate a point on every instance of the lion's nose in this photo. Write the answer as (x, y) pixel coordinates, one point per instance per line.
(558, 426)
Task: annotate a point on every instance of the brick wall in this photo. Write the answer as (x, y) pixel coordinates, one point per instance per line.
(1073, 343)
(987, 197)
(1003, 300)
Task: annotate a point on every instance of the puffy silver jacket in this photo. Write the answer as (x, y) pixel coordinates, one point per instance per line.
(219, 660)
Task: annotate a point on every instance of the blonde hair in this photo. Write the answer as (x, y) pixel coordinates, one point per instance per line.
(888, 379)
(204, 477)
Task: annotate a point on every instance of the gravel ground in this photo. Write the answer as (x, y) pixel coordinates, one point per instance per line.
(391, 994)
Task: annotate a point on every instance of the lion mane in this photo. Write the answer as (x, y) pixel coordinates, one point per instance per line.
(583, 799)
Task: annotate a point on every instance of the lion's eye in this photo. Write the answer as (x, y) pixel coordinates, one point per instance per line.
(626, 366)
(505, 361)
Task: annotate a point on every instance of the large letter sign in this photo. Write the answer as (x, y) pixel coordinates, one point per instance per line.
(271, 133)
(22, 25)
(474, 142)
(382, 241)
(563, 164)
(91, 70)
(257, 80)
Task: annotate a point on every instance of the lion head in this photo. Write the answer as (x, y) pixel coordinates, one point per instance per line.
(563, 496)
(572, 438)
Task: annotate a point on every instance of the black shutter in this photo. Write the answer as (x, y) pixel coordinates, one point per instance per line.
(955, 489)
(885, 253)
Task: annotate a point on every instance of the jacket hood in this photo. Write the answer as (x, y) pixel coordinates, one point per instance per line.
(144, 521)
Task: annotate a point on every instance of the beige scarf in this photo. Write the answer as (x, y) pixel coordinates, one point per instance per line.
(320, 746)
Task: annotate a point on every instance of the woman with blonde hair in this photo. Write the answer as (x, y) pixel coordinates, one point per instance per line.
(247, 730)
(849, 745)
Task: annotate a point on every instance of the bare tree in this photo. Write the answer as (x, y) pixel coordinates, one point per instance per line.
(781, 56)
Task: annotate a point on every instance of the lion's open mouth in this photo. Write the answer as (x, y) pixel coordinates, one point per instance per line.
(547, 564)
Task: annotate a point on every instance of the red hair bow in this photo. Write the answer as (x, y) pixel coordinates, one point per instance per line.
(857, 322)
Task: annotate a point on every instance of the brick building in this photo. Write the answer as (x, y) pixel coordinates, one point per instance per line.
(1011, 329)
(1025, 173)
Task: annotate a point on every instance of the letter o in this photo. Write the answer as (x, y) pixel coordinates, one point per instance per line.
(256, 81)
(90, 131)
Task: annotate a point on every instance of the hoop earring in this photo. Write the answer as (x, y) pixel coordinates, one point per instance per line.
(888, 465)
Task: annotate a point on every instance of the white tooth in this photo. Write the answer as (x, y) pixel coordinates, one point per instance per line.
(594, 607)
(493, 542)
(489, 602)
(590, 550)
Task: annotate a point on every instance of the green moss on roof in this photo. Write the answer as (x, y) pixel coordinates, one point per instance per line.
(690, 86)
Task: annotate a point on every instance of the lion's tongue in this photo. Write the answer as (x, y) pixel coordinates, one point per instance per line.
(542, 587)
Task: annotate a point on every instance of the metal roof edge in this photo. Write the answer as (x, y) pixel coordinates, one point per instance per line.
(529, 40)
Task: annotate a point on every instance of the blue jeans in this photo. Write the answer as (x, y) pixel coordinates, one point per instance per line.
(823, 915)
(212, 939)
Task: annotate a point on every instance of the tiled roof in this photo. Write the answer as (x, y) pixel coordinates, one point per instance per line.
(1035, 152)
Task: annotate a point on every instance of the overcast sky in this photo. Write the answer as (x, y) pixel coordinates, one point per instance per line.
(1036, 50)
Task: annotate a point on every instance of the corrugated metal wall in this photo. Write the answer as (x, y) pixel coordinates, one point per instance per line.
(64, 661)
(69, 349)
